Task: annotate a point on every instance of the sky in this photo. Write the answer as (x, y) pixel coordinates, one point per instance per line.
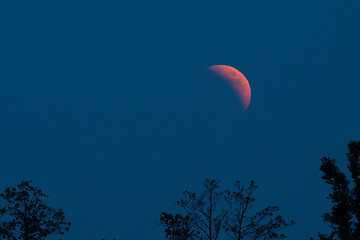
(105, 105)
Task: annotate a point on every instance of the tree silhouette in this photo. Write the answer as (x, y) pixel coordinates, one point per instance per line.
(26, 217)
(344, 217)
(208, 210)
(260, 225)
(213, 210)
(178, 227)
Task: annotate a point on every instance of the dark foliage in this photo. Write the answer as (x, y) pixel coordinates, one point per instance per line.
(178, 227)
(26, 217)
(345, 196)
(213, 211)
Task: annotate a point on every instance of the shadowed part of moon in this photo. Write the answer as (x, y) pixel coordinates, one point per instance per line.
(237, 81)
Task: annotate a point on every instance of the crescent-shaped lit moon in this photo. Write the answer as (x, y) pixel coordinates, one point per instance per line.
(237, 81)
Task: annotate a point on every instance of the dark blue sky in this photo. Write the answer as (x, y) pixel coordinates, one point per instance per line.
(104, 104)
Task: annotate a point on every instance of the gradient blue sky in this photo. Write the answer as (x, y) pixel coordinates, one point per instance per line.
(104, 104)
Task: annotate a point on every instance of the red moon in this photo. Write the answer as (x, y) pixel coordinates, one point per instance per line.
(237, 81)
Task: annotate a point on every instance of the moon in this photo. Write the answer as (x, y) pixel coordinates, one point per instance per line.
(237, 81)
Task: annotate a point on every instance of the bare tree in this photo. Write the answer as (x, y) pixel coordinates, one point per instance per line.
(208, 210)
(240, 224)
(214, 210)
